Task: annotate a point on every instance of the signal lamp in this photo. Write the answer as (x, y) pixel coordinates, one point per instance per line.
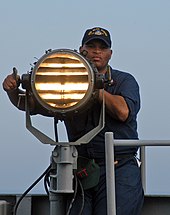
(63, 81)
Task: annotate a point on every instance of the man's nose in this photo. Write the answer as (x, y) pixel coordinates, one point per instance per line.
(97, 49)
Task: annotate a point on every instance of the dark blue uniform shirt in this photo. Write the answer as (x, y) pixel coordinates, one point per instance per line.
(124, 84)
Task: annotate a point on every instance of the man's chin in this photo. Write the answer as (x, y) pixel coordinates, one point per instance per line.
(97, 64)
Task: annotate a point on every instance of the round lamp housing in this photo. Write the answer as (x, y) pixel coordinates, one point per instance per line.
(63, 81)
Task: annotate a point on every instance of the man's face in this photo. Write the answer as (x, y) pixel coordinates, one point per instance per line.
(99, 53)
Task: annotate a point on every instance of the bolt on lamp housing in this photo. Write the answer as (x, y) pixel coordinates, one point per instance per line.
(63, 81)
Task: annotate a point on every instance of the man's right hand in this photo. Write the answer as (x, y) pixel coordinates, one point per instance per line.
(10, 83)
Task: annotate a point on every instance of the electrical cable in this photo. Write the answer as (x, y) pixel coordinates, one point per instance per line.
(55, 129)
(82, 191)
(28, 190)
(74, 196)
(47, 182)
(77, 181)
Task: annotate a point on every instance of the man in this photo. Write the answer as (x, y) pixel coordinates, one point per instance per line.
(122, 101)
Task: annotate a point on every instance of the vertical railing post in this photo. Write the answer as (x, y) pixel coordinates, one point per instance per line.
(110, 174)
(143, 167)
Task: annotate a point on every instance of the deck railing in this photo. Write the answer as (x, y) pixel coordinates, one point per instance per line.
(110, 142)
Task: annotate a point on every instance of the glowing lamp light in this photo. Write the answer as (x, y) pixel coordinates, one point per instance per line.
(63, 81)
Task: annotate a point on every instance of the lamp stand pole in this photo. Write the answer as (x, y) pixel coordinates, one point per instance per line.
(64, 160)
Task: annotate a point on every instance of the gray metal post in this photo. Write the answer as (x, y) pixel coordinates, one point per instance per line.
(143, 167)
(64, 160)
(57, 204)
(5, 207)
(110, 174)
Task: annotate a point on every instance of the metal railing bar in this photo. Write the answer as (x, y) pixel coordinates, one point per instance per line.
(141, 142)
(110, 142)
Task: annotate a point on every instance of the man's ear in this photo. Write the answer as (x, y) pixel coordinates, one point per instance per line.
(111, 52)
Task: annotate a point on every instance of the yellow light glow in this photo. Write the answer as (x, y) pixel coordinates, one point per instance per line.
(61, 95)
(61, 73)
(60, 87)
(61, 65)
(62, 105)
(63, 55)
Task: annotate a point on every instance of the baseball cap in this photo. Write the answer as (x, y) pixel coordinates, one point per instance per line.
(97, 33)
